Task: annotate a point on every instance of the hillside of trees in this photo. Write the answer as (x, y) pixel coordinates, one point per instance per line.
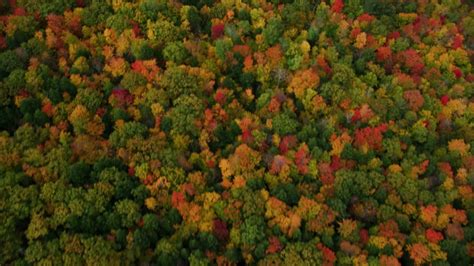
(236, 132)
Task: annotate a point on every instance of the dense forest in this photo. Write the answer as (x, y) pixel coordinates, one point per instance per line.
(232, 132)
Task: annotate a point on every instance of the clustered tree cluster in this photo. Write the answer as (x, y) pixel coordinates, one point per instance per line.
(264, 132)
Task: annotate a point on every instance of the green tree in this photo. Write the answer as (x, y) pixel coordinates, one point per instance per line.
(252, 230)
(177, 82)
(142, 50)
(273, 31)
(13, 84)
(123, 184)
(285, 124)
(166, 252)
(128, 131)
(293, 56)
(162, 32)
(175, 52)
(79, 173)
(129, 212)
(9, 61)
(46, 7)
(223, 46)
(184, 113)
(96, 13)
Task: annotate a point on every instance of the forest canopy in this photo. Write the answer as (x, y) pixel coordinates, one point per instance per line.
(231, 132)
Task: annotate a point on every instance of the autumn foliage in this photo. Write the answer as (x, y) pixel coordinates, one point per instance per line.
(154, 132)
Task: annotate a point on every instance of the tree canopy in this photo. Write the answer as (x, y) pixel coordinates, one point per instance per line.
(235, 132)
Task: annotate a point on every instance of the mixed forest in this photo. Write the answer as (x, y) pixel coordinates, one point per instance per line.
(232, 132)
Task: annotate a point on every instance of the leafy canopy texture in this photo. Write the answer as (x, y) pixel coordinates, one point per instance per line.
(236, 132)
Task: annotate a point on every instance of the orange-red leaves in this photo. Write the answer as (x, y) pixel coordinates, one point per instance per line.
(274, 54)
(329, 256)
(220, 230)
(243, 50)
(274, 245)
(419, 253)
(414, 98)
(433, 236)
(384, 53)
(278, 164)
(217, 31)
(302, 159)
(337, 6)
(413, 61)
(177, 199)
(146, 68)
(287, 143)
(428, 214)
(303, 80)
(370, 137)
